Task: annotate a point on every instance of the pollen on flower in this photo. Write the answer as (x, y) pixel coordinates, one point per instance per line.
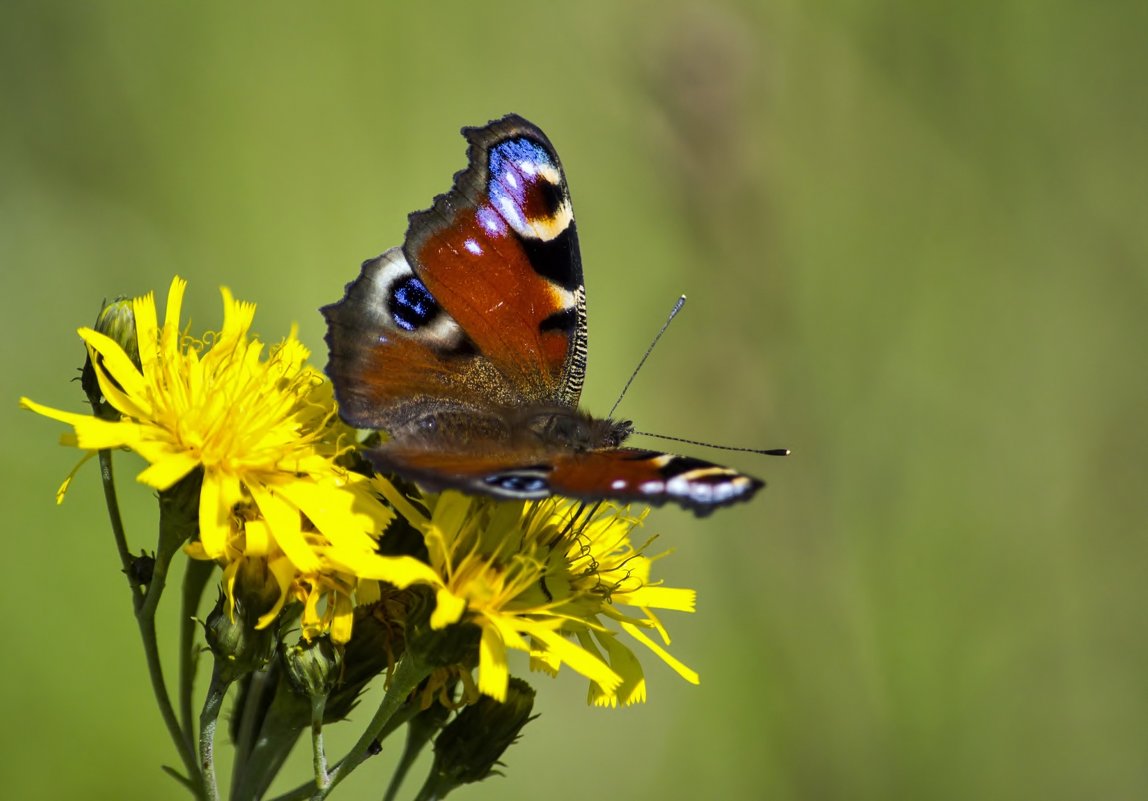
(551, 578)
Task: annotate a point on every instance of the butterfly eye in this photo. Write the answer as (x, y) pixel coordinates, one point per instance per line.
(525, 482)
(620, 431)
(411, 304)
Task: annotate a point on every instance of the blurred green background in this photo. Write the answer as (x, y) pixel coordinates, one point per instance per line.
(913, 236)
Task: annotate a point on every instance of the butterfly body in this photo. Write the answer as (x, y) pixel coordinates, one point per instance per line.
(467, 345)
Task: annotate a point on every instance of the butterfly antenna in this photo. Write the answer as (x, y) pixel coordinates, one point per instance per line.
(762, 451)
(681, 301)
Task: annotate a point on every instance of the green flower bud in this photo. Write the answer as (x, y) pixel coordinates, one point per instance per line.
(238, 646)
(313, 667)
(116, 320)
(470, 746)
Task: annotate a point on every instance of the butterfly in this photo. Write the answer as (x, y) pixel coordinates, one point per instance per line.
(467, 345)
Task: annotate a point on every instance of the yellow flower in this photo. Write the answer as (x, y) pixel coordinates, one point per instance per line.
(547, 578)
(264, 431)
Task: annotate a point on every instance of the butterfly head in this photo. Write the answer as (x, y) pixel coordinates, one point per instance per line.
(569, 429)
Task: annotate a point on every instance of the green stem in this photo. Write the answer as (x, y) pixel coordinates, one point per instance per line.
(195, 579)
(397, 720)
(417, 738)
(208, 719)
(409, 673)
(251, 710)
(145, 605)
(272, 719)
(428, 793)
(107, 477)
(389, 716)
(318, 753)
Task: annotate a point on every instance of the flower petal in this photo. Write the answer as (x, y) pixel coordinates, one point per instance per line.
(116, 364)
(166, 471)
(673, 598)
(71, 418)
(622, 660)
(401, 571)
(285, 524)
(214, 516)
(147, 330)
(679, 667)
(448, 609)
(348, 515)
(493, 670)
(580, 660)
(67, 482)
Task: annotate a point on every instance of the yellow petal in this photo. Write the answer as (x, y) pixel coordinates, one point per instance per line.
(493, 670)
(673, 598)
(257, 538)
(237, 316)
(367, 592)
(342, 619)
(285, 524)
(401, 571)
(71, 418)
(284, 573)
(94, 434)
(632, 690)
(349, 516)
(400, 503)
(68, 480)
(686, 673)
(147, 331)
(168, 470)
(116, 363)
(214, 516)
(448, 609)
(580, 660)
(174, 304)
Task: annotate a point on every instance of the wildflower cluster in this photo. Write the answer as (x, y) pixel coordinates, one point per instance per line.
(330, 576)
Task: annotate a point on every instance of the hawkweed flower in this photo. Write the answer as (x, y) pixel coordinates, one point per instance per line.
(276, 506)
(552, 578)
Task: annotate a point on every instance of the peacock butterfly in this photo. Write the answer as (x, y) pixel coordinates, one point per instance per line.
(467, 345)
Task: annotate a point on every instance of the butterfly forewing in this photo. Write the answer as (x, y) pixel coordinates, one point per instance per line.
(500, 251)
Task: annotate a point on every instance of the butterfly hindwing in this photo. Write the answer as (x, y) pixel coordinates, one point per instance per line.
(619, 474)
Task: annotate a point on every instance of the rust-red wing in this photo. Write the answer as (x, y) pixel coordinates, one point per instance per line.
(393, 351)
(482, 307)
(499, 253)
(620, 474)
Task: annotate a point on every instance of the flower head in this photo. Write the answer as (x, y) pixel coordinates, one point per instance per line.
(276, 507)
(550, 578)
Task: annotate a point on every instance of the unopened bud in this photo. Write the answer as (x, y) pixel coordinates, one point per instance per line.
(116, 320)
(238, 646)
(469, 748)
(312, 667)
